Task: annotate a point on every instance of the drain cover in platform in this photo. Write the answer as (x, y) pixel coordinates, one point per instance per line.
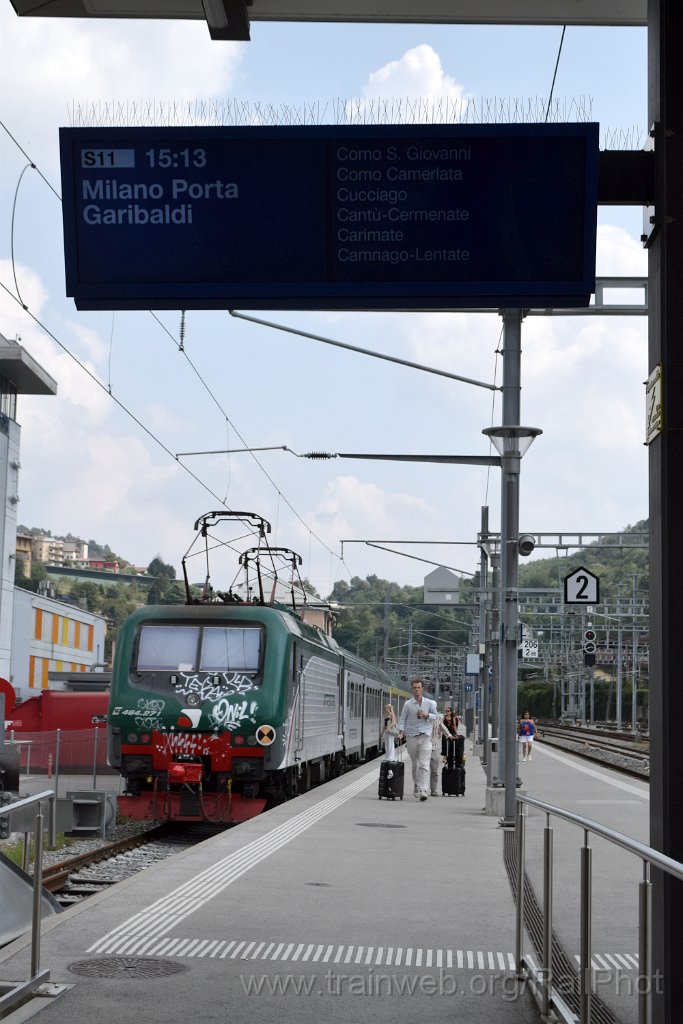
(126, 967)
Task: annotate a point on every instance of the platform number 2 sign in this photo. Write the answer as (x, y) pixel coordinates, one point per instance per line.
(581, 587)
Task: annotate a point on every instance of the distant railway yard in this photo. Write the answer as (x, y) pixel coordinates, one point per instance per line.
(624, 752)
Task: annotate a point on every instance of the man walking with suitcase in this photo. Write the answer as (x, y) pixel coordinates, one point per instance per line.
(417, 717)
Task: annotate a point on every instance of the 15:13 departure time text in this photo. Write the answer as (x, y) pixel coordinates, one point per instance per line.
(176, 158)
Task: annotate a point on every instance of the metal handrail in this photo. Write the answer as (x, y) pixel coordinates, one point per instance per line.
(18, 992)
(543, 977)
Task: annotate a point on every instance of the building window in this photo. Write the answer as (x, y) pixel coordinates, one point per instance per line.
(8, 398)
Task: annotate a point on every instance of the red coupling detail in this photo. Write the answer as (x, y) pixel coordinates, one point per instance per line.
(184, 772)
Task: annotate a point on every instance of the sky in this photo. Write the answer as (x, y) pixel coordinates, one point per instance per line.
(100, 460)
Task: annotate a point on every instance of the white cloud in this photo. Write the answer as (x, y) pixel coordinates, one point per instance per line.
(67, 67)
(408, 90)
(619, 254)
(349, 507)
(417, 74)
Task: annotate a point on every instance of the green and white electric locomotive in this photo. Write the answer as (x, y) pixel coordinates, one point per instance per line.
(220, 706)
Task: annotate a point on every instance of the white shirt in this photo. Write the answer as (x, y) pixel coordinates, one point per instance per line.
(410, 724)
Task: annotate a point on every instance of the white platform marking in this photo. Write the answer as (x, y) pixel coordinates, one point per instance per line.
(366, 956)
(175, 906)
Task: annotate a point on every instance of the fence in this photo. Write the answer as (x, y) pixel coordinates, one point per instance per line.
(69, 752)
(543, 976)
(13, 994)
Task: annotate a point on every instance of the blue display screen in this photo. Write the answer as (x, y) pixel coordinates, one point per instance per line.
(396, 217)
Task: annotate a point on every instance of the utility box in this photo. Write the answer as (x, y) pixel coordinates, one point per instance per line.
(88, 812)
(441, 587)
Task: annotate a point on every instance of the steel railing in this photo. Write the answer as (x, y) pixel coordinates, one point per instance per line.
(542, 977)
(16, 992)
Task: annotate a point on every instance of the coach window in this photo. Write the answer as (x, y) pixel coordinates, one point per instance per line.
(167, 648)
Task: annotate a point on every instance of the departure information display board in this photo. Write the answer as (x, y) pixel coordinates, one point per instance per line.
(393, 217)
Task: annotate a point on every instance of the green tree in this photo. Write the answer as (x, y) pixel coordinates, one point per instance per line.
(165, 589)
(20, 577)
(38, 575)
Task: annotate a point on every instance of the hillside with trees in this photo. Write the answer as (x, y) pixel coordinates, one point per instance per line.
(387, 623)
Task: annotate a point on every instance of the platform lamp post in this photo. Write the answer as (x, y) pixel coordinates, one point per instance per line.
(511, 443)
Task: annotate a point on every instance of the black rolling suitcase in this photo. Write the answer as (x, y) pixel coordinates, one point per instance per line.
(391, 779)
(453, 781)
(453, 773)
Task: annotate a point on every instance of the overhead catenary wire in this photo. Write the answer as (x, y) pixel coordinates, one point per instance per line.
(104, 388)
(557, 64)
(157, 440)
(251, 451)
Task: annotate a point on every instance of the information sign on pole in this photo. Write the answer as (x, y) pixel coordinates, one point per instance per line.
(581, 587)
(529, 648)
(323, 217)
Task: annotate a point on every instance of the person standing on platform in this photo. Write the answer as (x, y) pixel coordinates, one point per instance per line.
(441, 734)
(450, 720)
(527, 731)
(417, 717)
(389, 732)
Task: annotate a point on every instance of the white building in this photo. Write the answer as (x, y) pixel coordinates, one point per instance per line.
(51, 636)
(19, 374)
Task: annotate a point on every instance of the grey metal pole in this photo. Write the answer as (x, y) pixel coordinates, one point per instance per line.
(634, 667)
(94, 759)
(547, 917)
(509, 533)
(37, 891)
(483, 731)
(519, 909)
(495, 667)
(585, 950)
(645, 947)
(620, 641)
(58, 745)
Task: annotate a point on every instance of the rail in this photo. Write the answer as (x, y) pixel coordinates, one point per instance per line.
(16, 992)
(542, 977)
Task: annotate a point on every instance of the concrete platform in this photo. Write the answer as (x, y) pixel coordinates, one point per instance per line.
(335, 906)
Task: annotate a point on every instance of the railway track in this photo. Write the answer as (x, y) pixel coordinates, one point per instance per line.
(76, 878)
(625, 753)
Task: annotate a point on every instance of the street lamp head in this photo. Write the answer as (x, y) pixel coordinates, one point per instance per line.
(509, 440)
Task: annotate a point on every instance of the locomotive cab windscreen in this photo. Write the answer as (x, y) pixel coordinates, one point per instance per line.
(189, 649)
